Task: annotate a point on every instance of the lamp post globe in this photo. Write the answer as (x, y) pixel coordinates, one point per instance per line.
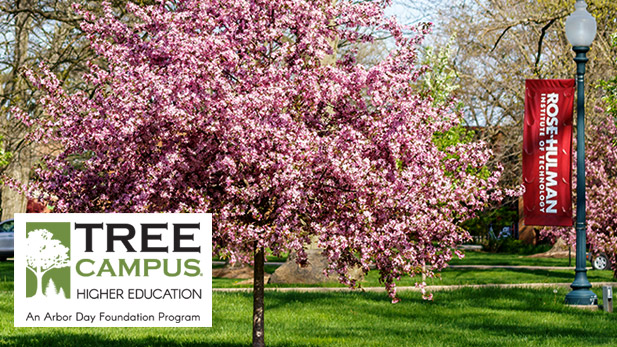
(581, 27)
(580, 31)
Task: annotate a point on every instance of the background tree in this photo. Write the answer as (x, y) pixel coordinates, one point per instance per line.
(34, 31)
(44, 253)
(232, 108)
(499, 44)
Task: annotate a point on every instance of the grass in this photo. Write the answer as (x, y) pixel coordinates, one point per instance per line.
(474, 276)
(454, 276)
(483, 258)
(446, 277)
(6, 276)
(479, 317)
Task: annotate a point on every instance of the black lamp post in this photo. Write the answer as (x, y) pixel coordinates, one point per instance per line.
(580, 31)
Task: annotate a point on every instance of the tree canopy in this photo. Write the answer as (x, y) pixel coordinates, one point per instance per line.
(234, 108)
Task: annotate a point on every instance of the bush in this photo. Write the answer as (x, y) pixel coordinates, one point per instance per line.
(497, 219)
(510, 245)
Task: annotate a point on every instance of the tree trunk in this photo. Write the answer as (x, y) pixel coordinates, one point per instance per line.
(258, 298)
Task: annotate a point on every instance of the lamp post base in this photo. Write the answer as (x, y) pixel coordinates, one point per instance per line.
(581, 297)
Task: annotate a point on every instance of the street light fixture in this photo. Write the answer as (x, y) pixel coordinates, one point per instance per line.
(580, 31)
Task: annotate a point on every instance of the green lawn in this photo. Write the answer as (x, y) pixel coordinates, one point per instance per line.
(454, 276)
(475, 276)
(479, 317)
(446, 277)
(484, 317)
(483, 258)
(6, 276)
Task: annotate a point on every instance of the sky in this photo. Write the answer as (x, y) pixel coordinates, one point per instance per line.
(405, 12)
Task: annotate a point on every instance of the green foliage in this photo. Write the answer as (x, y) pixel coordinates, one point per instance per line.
(452, 137)
(512, 246)
(5, 157)
(497, 218)
(439, 80)
(439, 83)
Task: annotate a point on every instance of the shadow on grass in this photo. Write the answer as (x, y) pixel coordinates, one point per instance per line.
(463, 316)
(52, 337)
(49, 337)
(486, 316)
(514, 275)
(6, 276)
(6, 270)
(485, 258)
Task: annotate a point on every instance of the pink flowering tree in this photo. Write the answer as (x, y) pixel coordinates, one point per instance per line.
(602, 181)
(228, 107)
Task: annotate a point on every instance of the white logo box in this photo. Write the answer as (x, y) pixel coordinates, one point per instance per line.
(175, 299)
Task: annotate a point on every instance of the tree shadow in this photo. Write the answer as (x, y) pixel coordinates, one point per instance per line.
(465, 314)
(6, 270)
(49, 337)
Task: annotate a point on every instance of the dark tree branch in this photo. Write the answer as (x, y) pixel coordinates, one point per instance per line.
(544, 28)
(501, 36)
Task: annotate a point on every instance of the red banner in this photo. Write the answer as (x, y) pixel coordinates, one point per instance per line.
(547, 152)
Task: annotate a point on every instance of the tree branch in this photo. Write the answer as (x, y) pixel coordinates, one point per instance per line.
(544, 28)
(52, 15)
(501, 36)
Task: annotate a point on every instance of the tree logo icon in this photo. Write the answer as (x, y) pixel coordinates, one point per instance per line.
(47, 260)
